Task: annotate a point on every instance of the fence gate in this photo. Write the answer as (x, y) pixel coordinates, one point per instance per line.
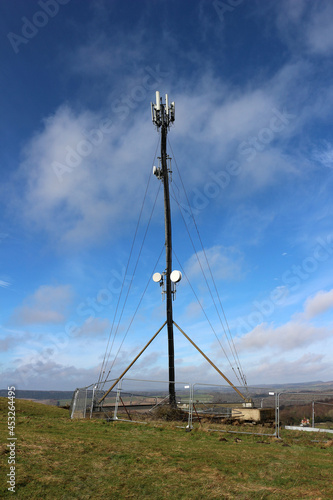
(306, 411)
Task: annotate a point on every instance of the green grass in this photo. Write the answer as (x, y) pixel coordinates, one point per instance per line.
(324, 425)
(60, 458)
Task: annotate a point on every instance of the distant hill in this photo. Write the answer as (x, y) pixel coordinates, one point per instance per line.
(39, 395)
(302, 386)
(54, 396)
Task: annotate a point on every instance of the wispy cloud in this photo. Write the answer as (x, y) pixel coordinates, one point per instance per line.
(251, 126)
(292, 335)
(11, 341)
(306, 26)
(324, 155)
(297, 370)
(225, 263)
(89, 201)
(94, 328)
(320, 303)
(4, 284)
(48, 305)
(319, 35)
(48, 374)
(296, 334)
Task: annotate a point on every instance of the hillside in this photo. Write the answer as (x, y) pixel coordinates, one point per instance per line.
(39, 395)
(59, 398)
(83, 459)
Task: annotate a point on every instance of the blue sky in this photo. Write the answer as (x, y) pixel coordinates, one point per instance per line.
(251, 144)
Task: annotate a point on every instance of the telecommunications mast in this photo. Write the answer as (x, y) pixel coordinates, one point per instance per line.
(163, 115)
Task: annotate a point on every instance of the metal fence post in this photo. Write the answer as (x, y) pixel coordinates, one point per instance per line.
(92, 401)
(117, 401)
(190, 410)
(277, 415)
(85, 404)
(74, 402)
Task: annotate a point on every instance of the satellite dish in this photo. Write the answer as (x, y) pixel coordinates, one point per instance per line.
(175, 276)
(157, 277)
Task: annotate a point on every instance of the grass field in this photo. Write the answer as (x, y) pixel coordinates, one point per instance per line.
(60, 458)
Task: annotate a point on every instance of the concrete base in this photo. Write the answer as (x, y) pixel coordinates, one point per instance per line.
(307, 429)
(258, 415)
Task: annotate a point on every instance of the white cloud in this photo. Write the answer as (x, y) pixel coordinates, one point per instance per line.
(306, 25)
(302, 369)
(224, 262)
(90, 201)
(11, 341)
(324, 155)
(222, 114)
(47, 305)
(93, 328)
(49, 375)
(291, 335)
(90, 198)
(320, 303)
(193, 310)
(319, 34)
(224, 119)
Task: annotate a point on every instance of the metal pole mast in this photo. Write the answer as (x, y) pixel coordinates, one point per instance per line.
(163, 116)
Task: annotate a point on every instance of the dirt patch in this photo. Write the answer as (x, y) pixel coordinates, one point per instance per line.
(169, 414)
